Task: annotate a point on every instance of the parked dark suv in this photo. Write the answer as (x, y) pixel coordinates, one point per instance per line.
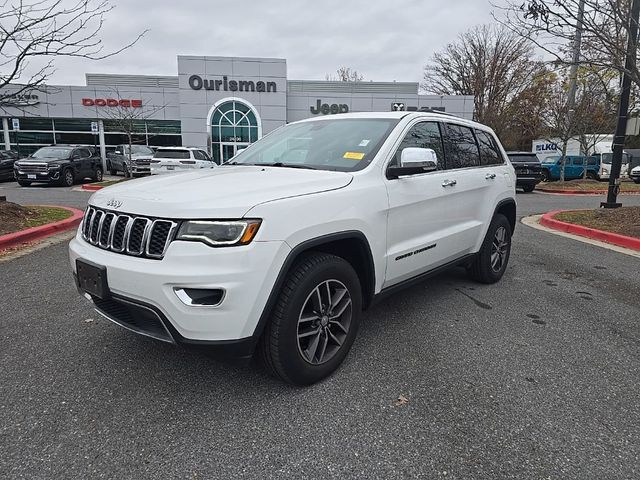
(528, 169)
(59, 165)
(7, 159)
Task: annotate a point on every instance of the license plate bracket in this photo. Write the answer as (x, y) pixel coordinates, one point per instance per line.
(92, 279)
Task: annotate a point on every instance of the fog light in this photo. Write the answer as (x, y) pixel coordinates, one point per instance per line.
(200, 297)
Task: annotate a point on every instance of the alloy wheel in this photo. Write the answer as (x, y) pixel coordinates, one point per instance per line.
(499, 249)
(324, 321)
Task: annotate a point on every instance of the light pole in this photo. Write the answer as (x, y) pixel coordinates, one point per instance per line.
(623, 110)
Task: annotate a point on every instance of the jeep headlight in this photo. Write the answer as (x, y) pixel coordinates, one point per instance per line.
(219, 233)
(53, 167)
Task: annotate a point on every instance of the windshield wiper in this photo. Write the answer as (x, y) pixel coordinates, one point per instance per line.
(287, 165)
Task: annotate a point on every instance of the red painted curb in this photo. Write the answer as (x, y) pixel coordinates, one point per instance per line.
(91, 188)
(38, 233)
(548, 220)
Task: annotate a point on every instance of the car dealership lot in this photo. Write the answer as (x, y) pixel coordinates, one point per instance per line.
(535, 376)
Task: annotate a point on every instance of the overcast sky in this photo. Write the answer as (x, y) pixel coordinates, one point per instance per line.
(385, 41)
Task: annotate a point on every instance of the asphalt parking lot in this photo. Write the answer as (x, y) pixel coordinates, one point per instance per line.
(534, 377)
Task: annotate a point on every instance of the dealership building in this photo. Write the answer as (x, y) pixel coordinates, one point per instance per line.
(217, 103)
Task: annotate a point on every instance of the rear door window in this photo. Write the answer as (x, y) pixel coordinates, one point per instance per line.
(460, 147)
(489, 151)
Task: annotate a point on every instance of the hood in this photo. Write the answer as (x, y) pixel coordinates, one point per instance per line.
(42, 161)
(223, 192)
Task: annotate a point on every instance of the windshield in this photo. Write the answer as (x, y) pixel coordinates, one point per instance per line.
(52, 152)
(606, 158)
(344, 145)
(523, 157)
(137, 150)
(171, 154)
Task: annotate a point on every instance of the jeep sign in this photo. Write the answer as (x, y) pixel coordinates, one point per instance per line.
(326, 109)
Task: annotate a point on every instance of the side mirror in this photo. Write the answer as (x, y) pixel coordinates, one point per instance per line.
(118, 152)
(414, 160)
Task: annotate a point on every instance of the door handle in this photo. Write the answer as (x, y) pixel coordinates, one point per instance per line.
(490, 176)
(449, 183)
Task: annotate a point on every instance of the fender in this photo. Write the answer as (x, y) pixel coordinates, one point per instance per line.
(367, 289)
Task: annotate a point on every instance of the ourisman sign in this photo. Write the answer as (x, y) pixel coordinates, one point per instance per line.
(196, 82)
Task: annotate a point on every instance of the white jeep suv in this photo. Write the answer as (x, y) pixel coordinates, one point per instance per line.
(280, 249)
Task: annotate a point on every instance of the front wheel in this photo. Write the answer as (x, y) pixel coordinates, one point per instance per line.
(491, 261)
(97, 176)
(125, 170)
(67, 178)
(528, 188)
(636, 180)
(315, 320)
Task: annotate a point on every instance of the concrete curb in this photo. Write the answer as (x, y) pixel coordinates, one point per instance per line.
(38, 233)
(549, 221)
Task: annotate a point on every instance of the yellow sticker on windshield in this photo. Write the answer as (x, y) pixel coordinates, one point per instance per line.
(354, 155)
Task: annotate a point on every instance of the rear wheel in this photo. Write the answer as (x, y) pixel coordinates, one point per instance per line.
(97, 176)
(24, 183)
(314, 321)
(125, 169)
(545, 176)
(528, 188)
(491, 261)
(636, 180)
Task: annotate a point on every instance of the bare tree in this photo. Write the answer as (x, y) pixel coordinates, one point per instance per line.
(34, 32)
(491, 63)
(128, 117)
(345, 74)
(551, 25)
(593, 117)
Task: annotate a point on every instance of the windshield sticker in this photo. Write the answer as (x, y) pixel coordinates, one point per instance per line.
(364, 143)
(353, 155)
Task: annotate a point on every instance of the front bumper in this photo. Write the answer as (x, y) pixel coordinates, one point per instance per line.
(140, 170)
(246, 273)
(43, 177)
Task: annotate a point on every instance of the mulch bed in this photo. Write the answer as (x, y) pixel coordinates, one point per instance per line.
(624, 220)
(625, 186)
(14, 217)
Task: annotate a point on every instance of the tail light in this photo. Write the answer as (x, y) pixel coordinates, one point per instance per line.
(188, 162)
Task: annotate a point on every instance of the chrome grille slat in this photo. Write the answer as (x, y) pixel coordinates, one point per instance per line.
(128, 234)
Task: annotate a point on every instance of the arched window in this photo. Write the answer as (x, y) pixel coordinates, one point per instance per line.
(234, 125)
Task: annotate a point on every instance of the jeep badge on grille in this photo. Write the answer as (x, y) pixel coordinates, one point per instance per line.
(114, 203)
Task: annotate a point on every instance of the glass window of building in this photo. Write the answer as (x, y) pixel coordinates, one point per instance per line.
(233, 126)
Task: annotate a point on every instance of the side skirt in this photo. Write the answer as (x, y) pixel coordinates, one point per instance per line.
(385, 292)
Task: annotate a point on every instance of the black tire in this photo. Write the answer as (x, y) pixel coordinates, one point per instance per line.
(125, 170)
(282, 351)
(545, 176)
(592, 176)
(67, 179)
(636, 180)
(24, 183)
(528, 188)
(97, 175)
(483, 269)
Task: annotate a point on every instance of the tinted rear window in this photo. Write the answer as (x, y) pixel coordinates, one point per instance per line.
(523, 157)
(171, 154)
(460, 147)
